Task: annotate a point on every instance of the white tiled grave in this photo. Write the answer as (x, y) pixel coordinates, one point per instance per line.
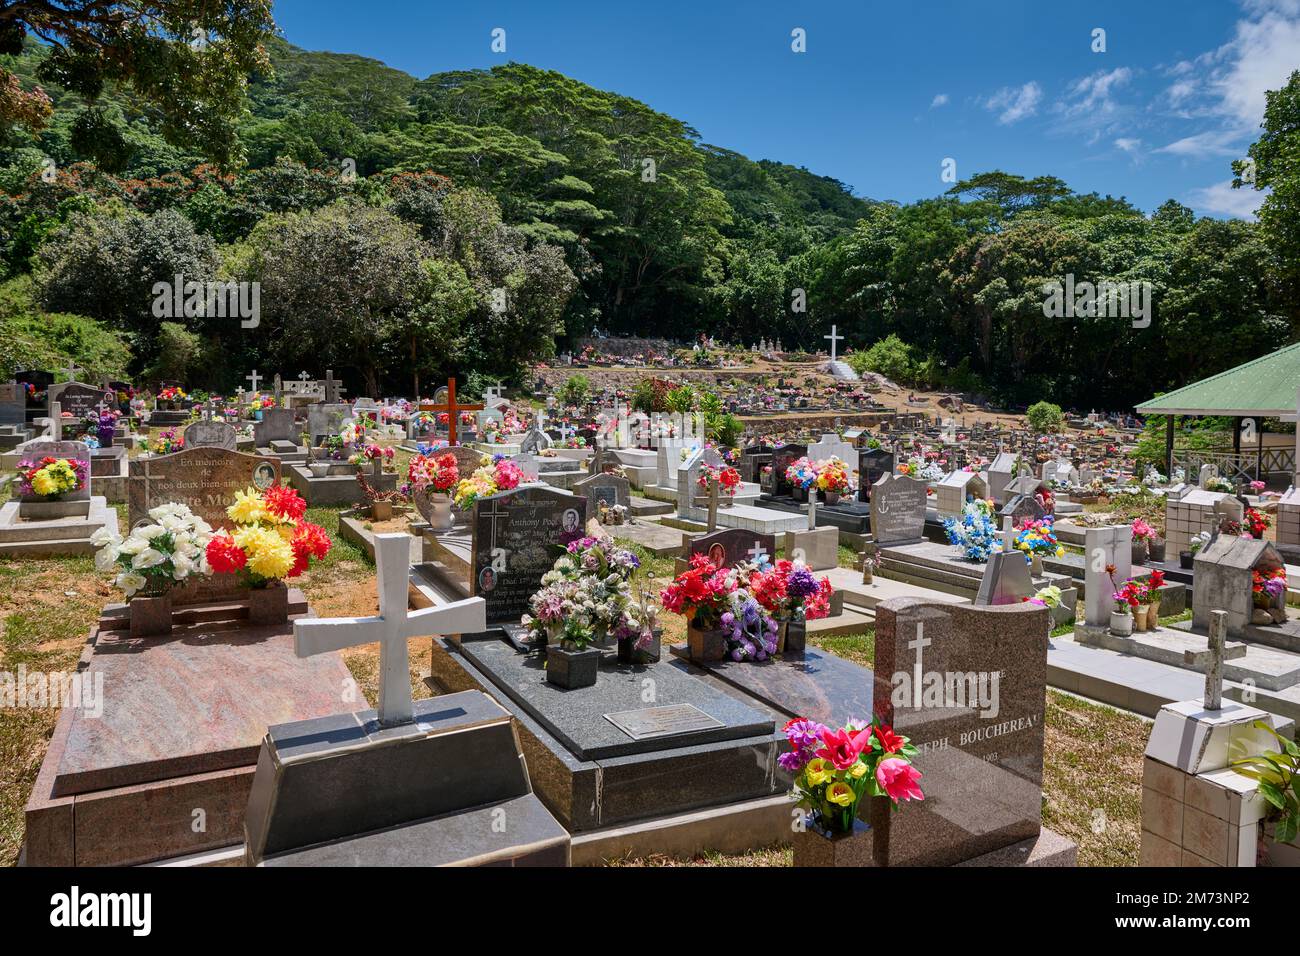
(40, 528)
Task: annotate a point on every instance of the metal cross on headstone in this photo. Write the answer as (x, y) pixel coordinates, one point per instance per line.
(451, 408)
(1213, 657)
(254, 378)
(392, 628)
(758, 554)
(835, 338)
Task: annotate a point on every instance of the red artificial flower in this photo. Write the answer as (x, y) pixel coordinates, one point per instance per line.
(224, 556)
(284, 502)
(889, 741)
(842, 748)
(898, 778)
(313, 539)
(1156, 580)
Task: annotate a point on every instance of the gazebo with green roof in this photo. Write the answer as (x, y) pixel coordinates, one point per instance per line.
(1265, 387)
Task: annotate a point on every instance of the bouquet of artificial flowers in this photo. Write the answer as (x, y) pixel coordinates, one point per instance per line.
(169, 549)
(272, 538)
(835, 769)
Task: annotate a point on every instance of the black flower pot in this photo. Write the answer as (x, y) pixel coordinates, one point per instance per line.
(1186, 559)
(796, 636)
(628, 654)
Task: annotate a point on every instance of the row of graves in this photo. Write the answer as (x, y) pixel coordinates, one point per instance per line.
(211, 719)
(636, 747)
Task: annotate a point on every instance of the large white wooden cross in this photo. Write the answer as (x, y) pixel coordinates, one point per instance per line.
(391, 628)
(835, 338)
(254, 378)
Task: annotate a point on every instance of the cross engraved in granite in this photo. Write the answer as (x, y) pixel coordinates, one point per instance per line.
(392, 628)
(662, 721)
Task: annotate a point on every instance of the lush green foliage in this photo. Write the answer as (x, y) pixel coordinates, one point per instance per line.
(1045, 417)
(581, 208)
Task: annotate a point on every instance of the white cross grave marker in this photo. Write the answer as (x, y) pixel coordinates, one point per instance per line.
(758, 554)
(254, 378)
(391, 628)
(835, 338)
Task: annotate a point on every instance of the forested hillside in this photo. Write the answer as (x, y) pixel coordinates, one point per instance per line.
(593, 210)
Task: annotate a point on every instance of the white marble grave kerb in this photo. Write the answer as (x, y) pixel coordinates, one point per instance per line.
(392, 628)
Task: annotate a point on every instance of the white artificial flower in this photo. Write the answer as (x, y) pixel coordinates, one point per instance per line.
(103, 536)
(130, 582)
(132, 545)
(150, 531)
(106, 558)
(148, 558)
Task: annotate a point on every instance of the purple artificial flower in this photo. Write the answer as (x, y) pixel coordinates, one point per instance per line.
(804, 734)
(801, 583)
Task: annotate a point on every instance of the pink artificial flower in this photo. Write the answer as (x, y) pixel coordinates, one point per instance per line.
(898, 778)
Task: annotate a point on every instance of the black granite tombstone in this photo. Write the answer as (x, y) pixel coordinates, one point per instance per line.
(516, 535)
(731, 546)
(872, 464)
(345, 791)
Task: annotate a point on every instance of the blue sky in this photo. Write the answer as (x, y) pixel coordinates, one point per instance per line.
(886, 92)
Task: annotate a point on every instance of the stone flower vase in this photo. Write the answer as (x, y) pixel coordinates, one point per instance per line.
(1121, 624)
(268, 605)
(1156, 550)
(1138, 552)
(151, 614)
(831, 497)
(814, 846)
(319, 468)
(705, 645)
(1036, 565)
(435, 508)
(572, 668)
(381, 510)
(1186, 560)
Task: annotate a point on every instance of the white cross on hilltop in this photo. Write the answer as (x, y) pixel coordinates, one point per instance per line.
(834, 339)
(391, 628)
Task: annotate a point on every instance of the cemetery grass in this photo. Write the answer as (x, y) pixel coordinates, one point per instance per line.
(46, 612)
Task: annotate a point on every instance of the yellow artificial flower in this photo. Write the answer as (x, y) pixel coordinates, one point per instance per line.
(857, 770)
(269, 555)
(840, 793)
(818, 771)
(42, 483)
(248, 507)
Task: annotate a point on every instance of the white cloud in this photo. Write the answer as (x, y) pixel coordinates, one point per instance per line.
(1092, 93)
(1222, 142)
(1221, 199)
(940, 99)
(1129, 145)
(1013, 103)
(1260, 57)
